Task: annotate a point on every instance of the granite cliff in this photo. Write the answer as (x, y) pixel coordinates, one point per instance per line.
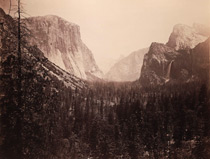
(61, 43)
(185, 57)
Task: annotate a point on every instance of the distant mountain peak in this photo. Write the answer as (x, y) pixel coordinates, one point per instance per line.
(128, 68)
(187, 37)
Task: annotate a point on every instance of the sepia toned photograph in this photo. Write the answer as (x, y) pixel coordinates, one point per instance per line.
(104, 79)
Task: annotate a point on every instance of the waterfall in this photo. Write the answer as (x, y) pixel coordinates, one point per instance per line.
(169, 70)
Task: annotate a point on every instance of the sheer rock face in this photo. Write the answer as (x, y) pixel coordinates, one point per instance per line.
(61, 43)
(186, 65)
(185, 57)
(33, 60)
(186, 37)
(128, 68)
(156, 61)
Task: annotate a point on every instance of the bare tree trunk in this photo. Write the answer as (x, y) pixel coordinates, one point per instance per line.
(19, 85)
(209, 67)
(19, 45)
(10, 6)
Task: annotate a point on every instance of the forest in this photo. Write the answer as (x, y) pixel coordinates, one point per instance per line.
(122, 121)
(107, 120)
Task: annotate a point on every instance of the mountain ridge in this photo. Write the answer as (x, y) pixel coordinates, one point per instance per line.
(128, 68)
(187, 37)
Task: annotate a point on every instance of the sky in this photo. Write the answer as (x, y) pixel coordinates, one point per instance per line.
(111, 28)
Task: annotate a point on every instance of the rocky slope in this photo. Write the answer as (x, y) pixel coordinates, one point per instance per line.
(61, 43)
(128, 68)
(185, 57)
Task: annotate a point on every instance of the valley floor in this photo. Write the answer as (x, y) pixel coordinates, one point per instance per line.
(112, 121)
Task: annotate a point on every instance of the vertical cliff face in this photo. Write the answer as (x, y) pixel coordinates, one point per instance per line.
(156, 63)
(185, 57)
(33, 59)
(175, 66)
(61, 43)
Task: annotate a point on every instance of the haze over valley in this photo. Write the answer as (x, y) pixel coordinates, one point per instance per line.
(104, 79)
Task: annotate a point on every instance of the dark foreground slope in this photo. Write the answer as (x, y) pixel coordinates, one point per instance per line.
(32, 126)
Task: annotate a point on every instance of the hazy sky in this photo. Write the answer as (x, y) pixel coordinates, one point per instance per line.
(114, 27)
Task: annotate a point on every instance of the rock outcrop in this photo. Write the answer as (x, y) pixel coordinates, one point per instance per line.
(61, 43)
